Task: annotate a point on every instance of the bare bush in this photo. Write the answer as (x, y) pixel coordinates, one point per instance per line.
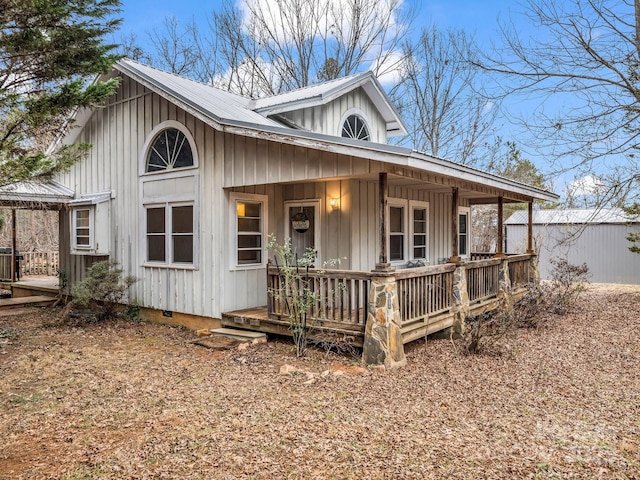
(488, 333)
(555, 297)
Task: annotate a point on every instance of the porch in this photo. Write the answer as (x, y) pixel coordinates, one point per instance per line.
(427, 299)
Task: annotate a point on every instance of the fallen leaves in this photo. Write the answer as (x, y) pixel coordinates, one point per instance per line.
(137, 400)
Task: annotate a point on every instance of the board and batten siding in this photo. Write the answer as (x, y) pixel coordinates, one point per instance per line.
(365, 224)
(603, 247)
(118, 133)
(327, 118)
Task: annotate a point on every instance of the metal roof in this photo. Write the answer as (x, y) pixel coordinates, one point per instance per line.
(322, 93)
(35, 192)
(216, 104)
(231, 113)
(592, 216)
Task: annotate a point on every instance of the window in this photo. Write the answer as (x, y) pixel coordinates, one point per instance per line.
(169, 149)
(463, 232)
(249, 229)
(396, 233)
(355, 127)
(83, 228)
(419, 230)
(170, 236)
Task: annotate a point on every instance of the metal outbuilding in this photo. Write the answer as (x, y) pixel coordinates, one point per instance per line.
(597, 237)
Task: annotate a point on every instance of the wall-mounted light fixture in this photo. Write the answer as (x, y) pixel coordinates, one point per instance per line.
(335, 203)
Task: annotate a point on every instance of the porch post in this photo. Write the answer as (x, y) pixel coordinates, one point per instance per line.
(383, 343)
(383, 200)
(500, 245)
(455, 256)
(14, 244)
(530, 229)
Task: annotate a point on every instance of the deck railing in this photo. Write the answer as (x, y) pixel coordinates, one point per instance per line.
(5, 266)
(482, 279)
(519, 270)
(424, 291)
(341, 296)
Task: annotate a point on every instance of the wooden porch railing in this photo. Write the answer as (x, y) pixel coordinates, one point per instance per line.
(482, 279)
(31, 263)
(5, 266)
(341, 297)
(519, 270)
(424, 291)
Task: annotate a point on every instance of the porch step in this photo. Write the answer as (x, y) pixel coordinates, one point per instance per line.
(240, 335)
(33, 301)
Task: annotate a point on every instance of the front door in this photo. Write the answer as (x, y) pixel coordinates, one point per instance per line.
(302, 226)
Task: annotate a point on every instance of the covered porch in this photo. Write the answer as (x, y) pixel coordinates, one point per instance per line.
(30, 273)
(391, 304)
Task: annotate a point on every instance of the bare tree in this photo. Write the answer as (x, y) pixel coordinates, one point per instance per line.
(584, 55)
(264, 47)
(438, 95)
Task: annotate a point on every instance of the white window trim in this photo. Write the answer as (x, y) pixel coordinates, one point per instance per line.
(417, 204)
(398, 202)
(316, 231)
(467, 211)
(142, 162)
(168, 205)
(234, 197)
(74, 227)
(363, 117)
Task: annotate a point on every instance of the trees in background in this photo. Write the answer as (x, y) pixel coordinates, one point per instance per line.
(258, 47)
(439, 97)
(49, 52)
(585, 55)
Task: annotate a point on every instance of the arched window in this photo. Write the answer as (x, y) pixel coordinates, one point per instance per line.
(355, 127)
(169, 149)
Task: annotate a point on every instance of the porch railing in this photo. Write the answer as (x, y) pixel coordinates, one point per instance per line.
(519, 270)
(31, 263)
(5, 266)
(341, 297)
(424, 291)
(482, 279)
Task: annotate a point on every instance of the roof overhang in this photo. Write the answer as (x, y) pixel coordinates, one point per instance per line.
(35, 194)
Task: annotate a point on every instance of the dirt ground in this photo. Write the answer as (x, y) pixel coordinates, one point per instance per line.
(138, 400)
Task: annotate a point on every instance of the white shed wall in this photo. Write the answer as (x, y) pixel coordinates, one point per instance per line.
(603, 248)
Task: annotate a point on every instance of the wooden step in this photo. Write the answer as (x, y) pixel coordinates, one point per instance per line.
(240, 335)
(33, 301)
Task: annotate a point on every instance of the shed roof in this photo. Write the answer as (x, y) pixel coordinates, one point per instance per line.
(586, 216)
(30, 193)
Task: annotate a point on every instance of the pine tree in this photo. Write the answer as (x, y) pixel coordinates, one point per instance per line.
(50, 52)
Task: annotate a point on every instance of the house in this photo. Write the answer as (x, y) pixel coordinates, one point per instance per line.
(184, 183)
(596, 237)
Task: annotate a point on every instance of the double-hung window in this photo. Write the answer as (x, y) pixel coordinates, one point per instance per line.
(83, 228)
(170, 238)
(419, 230)
(464, 233)
(397, 232)
(249, 227)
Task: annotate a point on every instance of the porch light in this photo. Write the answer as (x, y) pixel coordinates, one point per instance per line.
(240, 207)
(335, 203)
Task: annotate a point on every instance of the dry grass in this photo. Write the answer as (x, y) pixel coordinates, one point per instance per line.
(127, 400)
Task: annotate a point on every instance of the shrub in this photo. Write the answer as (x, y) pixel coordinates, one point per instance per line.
(489, 332)
(294, 291)
(557, 296)
(102, 290)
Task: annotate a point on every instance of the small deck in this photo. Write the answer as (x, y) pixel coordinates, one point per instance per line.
(40, 290)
